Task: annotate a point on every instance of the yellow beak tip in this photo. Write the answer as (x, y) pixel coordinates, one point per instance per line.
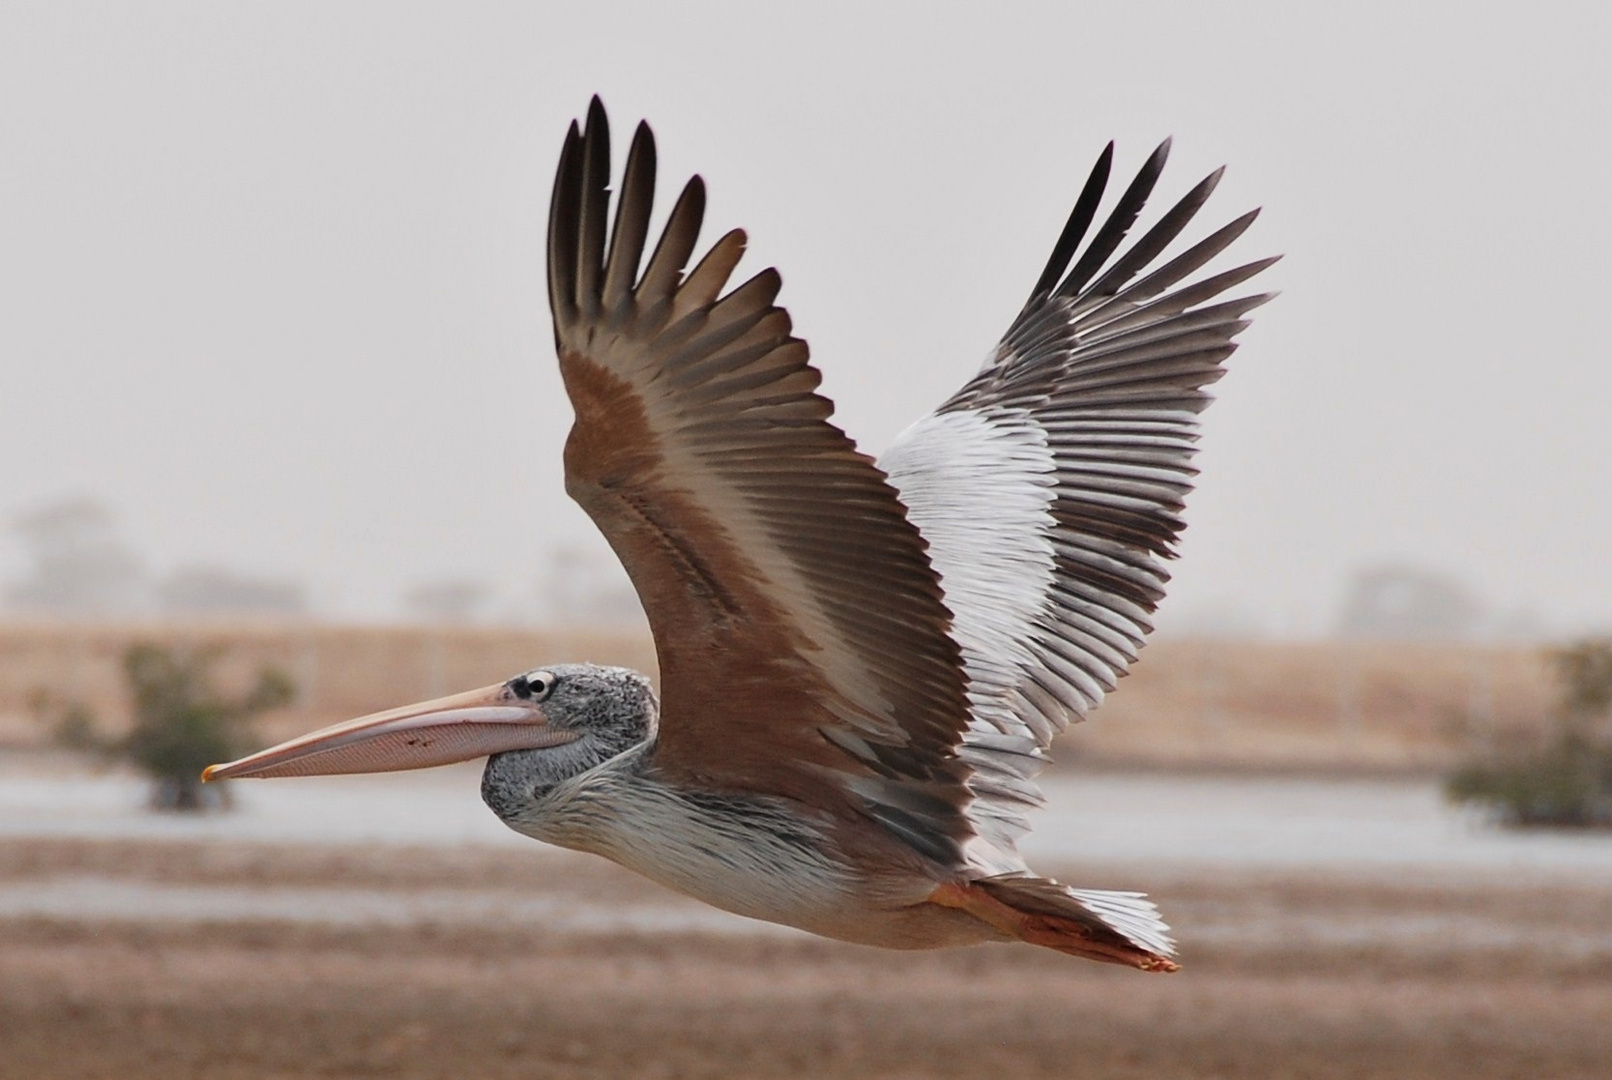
(207, 773)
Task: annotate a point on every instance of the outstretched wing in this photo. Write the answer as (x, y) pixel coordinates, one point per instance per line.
(1050, 486)
(799, 627)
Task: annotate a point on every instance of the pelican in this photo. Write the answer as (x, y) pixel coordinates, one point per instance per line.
(861, 663)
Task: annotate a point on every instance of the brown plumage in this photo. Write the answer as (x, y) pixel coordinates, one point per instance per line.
(850, 719)
(773, 560)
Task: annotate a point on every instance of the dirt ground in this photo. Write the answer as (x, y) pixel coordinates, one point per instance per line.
(1286, 976)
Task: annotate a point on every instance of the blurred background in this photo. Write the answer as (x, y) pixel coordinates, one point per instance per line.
(280, 437)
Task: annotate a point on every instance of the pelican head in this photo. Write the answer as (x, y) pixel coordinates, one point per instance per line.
(536, 730)
(610, 710)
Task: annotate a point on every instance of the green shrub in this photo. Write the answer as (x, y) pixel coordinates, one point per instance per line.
(1564, 779)
(71, 723)
(182, 723)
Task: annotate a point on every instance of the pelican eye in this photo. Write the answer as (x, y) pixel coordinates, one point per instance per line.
(533, 686)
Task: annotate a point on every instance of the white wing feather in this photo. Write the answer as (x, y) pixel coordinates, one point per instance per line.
(1049, 487)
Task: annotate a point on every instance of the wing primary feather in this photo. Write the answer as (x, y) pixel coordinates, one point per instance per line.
(1185, 263)
(1074, 230)
(1119, 222)
(1192, 295)
(562, 244)
(708, 329)
(704, 283)
(631, 229)
(677, 240)
(1226, 313)
(1158, 237)
(595, 208)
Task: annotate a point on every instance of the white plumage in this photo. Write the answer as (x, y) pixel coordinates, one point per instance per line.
(861, 667)
(1048, 491)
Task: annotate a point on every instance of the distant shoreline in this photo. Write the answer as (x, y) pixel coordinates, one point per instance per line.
(1192, 705)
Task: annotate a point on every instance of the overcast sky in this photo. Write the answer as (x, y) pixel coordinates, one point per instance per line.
(273, 286)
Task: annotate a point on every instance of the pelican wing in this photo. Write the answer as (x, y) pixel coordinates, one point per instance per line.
(1050, 487)
(798, 624)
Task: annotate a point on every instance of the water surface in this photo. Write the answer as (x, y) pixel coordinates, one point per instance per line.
(1265, 822)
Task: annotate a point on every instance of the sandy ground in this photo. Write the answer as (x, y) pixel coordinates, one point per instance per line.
(1287, 975)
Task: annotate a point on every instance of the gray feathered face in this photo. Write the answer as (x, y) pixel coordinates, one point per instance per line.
(603, 711)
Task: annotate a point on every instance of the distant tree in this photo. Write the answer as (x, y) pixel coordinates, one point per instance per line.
(1565, 779)
(205, 590)
(80, 565)
(182, 723)
(1585, 670)
(70, 723)
(1394, 601)
(450, 601)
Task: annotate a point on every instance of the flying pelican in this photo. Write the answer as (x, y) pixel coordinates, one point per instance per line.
(861, 664)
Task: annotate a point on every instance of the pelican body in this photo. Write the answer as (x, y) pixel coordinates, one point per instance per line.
(861, 664)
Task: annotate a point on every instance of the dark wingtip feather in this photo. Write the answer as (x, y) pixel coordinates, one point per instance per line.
(1156, 239)
(563, 229)
(595, 203)
(1119, 222)
(1074, 229)
(676, 245)
(634, 202)
(1190, 260)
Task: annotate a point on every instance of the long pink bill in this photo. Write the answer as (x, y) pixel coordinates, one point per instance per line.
(471, 725)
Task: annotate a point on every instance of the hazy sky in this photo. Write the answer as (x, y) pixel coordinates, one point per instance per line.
(272, 274)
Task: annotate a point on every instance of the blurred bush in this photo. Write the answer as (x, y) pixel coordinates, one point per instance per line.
(182, 722)
(1565, 778)
(71, 723)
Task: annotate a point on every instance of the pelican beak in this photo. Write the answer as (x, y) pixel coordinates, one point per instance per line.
(476, 724)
